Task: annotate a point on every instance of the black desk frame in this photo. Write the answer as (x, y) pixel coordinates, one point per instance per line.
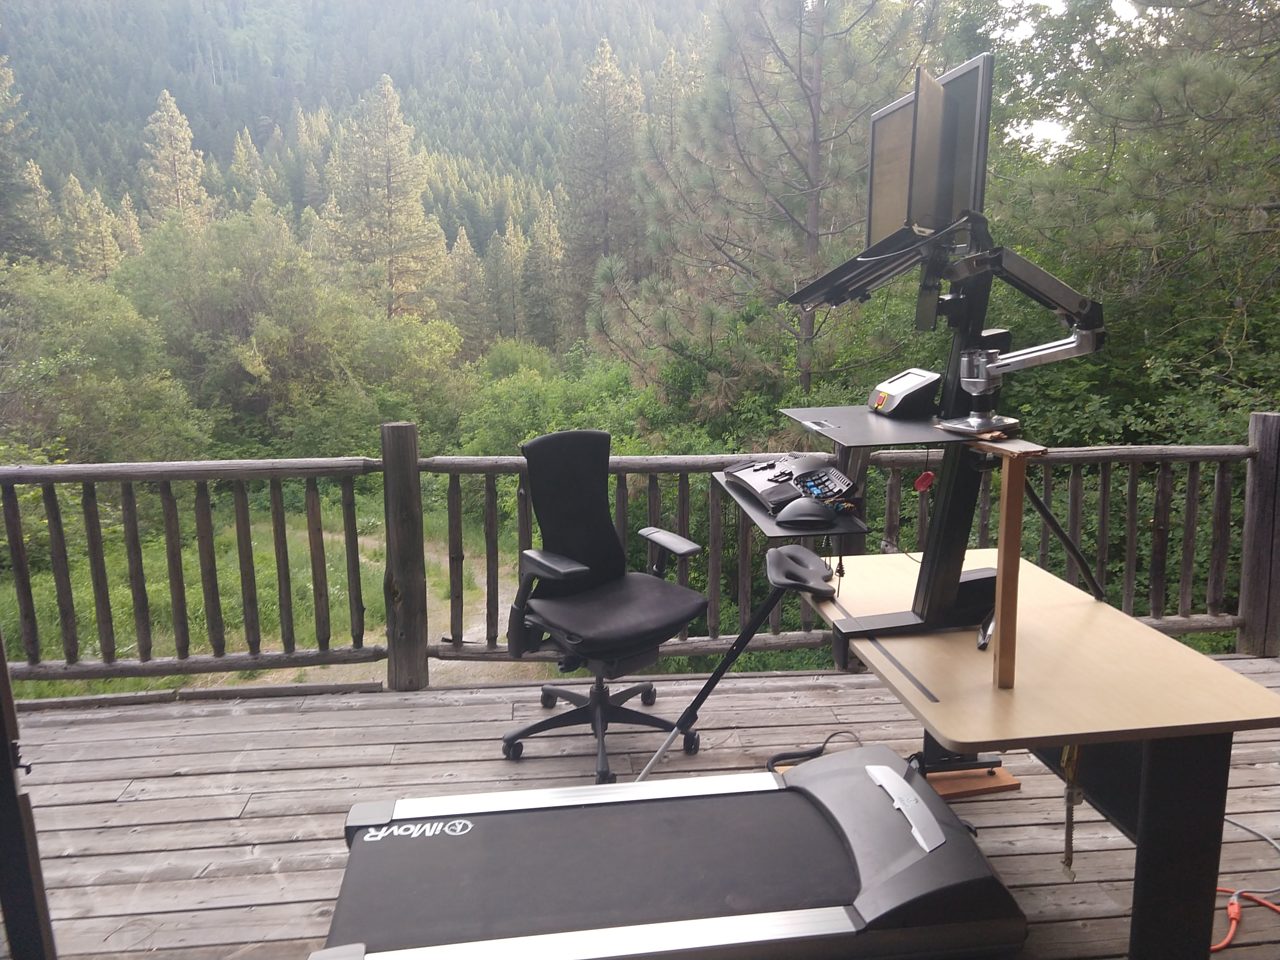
(941, 599)
(1168, 796)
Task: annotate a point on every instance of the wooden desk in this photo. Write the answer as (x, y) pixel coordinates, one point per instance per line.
(1153, 719)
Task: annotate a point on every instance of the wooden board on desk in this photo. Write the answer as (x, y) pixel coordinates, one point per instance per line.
(1086, 671)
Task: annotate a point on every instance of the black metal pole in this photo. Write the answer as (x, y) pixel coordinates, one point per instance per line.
(1067, 543)
(690, 715)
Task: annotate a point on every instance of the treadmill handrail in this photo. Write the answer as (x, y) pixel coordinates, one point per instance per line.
(421, 808)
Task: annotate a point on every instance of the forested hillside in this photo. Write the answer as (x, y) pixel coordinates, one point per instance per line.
(261, 227)
(489, 87)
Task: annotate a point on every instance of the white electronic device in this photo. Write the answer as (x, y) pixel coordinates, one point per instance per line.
(910, 395)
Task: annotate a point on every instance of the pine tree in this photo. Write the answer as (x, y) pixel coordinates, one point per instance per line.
(86, 231)
(17, 236)
(311, 232)
(73, 224)
(37, 212)
(541, 281)
(128, 231)
(100, 253)
(755, 189)
(172, 170)
(468, 309)
(503, 269)
(599, 166)
(320, 235)
(378, 181)
(661, 142)
(244, 176)
(675, 82)
(437, 279)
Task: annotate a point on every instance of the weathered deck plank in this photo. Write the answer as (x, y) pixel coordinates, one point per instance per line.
(204, 829)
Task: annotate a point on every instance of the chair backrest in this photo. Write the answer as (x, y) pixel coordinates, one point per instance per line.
(568, 483)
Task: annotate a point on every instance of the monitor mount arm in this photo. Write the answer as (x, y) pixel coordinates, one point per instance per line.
(981, 370)
(974, 368)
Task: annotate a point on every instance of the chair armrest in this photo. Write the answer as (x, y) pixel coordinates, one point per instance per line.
(535, 564)
(553, 566)
(669, 544)
(673, 543)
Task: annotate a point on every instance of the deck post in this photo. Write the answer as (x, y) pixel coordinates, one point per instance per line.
(1259, 634)
(405, 583)
(24, 907)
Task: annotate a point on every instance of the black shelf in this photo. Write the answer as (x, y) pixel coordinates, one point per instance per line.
(860, 427)
(841, 522)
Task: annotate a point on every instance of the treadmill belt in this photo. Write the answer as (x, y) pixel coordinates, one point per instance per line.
(526, 872)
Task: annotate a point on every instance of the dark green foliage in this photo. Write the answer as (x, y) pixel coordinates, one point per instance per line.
(85, 376)
(279, 358)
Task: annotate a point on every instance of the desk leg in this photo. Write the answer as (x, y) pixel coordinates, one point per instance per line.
(1181, 804)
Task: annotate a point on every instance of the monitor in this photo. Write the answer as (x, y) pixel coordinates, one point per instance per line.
(929, 154)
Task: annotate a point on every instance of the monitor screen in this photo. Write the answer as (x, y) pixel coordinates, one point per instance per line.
(966, 124)
(891, 129)
(929, 153)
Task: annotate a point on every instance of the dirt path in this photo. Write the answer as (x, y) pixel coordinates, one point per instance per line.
(441, 672)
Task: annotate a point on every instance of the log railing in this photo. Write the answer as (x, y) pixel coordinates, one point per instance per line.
(1170, 531)
(132, 488)
(1175, 513)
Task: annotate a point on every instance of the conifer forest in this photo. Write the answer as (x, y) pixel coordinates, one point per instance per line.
(258, 228)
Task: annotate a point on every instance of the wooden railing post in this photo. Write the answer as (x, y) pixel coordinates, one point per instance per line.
(1260, 557)
(24, 906)
(405, 584)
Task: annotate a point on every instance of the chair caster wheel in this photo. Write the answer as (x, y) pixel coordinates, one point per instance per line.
(548, 699)
(606, 777)
(649, 697)
(692, 741)
(513, 750)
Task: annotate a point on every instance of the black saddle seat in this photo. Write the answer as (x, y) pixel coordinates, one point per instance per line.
(793, 567)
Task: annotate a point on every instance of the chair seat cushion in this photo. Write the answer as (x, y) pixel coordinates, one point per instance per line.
(619, 617)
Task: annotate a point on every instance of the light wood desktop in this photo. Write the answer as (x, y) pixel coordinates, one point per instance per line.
(1152, 720)
(1086, 671)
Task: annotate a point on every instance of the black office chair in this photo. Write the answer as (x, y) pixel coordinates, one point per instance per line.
(576, 593)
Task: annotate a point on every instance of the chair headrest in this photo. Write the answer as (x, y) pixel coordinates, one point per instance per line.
(793, 567)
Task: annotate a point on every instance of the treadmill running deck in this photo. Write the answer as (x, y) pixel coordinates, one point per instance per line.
(851, 855)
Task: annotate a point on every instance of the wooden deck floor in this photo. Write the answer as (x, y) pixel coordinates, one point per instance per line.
(205, 829)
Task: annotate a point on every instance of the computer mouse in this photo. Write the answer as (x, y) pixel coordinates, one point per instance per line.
(806, 513)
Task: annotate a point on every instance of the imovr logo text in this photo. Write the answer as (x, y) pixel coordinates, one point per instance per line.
(434, 828)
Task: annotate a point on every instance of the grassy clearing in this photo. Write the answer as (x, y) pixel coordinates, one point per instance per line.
(371, 555)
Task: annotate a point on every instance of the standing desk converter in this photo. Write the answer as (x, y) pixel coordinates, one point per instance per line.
(1153, 720)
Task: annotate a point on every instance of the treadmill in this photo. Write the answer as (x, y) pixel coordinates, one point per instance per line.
(850, 855)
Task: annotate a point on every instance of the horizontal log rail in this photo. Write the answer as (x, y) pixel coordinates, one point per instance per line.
(179, 470)
(1205, 482)
(169, 508)
(1161, 525)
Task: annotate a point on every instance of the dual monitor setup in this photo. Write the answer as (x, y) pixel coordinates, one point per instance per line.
(852, 854)
(924, 209)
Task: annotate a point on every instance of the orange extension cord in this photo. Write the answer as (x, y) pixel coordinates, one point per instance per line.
(1233, 914)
